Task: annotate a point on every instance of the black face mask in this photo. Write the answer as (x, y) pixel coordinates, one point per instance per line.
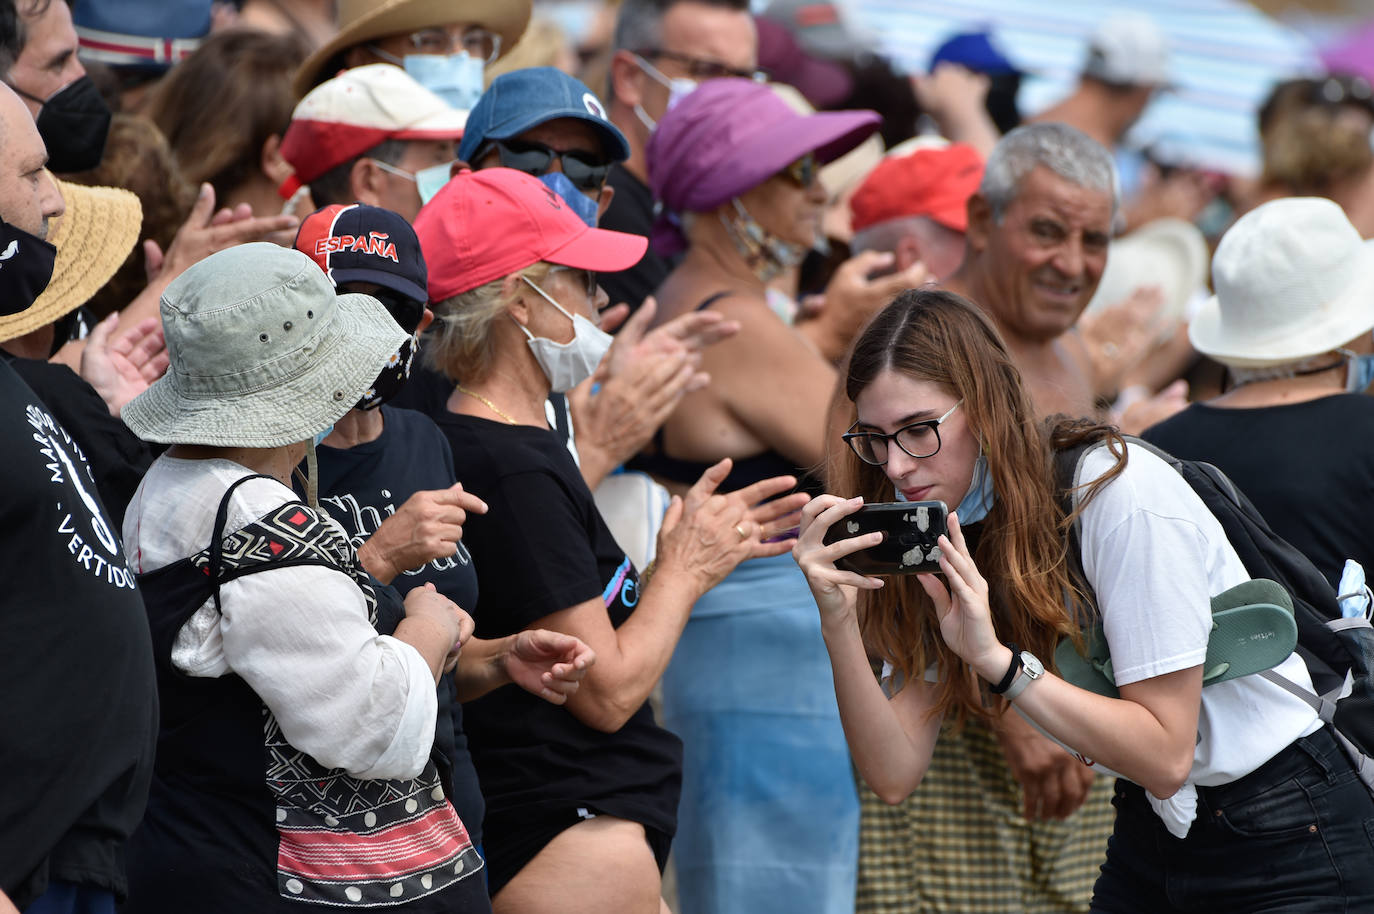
(74, 124)
(393, 376)
(26, 263)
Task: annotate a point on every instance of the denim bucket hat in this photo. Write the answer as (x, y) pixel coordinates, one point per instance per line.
(263, 352)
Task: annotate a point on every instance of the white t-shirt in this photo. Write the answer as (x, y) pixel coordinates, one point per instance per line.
(1154, 554)
(299, 636)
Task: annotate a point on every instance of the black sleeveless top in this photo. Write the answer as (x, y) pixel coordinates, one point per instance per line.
(745, 471)
(240, 820)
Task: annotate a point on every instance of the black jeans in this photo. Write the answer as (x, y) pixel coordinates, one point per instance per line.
(1295, 835)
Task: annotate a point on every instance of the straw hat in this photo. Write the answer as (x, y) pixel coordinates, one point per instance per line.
(263, 352)
(1293, 279)
(361, 21)
(93, 239)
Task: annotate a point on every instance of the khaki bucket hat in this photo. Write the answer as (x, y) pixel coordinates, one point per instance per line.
(263, 352)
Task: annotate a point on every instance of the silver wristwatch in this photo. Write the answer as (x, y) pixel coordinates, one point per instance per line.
(1031, 670)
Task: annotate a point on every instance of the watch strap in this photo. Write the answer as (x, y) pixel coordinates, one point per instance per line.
(1012, 670)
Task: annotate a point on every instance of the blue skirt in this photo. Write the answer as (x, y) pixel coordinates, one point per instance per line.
(769, 817)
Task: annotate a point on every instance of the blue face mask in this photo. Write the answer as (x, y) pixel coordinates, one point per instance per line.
(320, 436)
(428, 181)
(1359, 373)
(456, 78)
(979, 499)
(577, 201)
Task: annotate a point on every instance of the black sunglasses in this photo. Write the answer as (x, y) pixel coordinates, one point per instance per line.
(585, 171)
(404, 310)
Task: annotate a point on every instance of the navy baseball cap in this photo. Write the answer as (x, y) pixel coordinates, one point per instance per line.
(521, 99)
(975, 51)
(355, 242)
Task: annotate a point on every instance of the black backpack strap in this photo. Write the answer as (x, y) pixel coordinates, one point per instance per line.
(296, 548)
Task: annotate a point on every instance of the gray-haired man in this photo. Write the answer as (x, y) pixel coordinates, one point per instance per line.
(1038, 231)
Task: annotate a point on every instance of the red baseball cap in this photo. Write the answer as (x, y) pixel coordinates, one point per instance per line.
(483, 225)
(935, 182)
(358, 109)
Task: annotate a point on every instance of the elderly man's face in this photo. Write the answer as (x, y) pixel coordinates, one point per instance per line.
(48, 62)
(1042, 262)
(28, 194)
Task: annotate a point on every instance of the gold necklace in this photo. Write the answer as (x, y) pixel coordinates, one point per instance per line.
(490, 405)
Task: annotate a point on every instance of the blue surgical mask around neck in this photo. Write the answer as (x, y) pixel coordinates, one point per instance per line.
(1359, 373)
(321, 435)
(979, 498)
(577, 201)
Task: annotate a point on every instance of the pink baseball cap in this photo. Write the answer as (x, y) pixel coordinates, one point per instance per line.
(483, 225)
(349, 114)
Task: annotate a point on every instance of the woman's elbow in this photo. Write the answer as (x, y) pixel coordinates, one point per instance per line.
(1170, 777)
(601, 714)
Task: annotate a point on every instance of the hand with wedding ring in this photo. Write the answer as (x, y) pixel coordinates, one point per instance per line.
(706, 534)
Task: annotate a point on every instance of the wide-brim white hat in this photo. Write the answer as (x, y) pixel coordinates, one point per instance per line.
(1293, 280)
(263, 352)
(1169, 254)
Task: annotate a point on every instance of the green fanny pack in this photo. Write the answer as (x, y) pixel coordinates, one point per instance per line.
(1252, 630)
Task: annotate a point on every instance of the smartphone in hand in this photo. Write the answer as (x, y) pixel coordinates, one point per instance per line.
(910, 530)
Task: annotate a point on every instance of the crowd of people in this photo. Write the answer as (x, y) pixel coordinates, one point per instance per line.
(433, 475)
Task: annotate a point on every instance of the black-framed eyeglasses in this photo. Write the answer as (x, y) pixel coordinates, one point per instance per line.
(475, 42)
(803, 171)
(699, 68)
(586, 171)
(919, 439)
(585, 279)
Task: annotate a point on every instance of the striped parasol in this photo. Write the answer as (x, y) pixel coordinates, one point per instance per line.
(1225, 55)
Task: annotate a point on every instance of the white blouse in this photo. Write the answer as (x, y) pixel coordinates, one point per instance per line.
(299, 636)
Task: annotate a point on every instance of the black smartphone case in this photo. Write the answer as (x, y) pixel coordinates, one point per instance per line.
(911, 529)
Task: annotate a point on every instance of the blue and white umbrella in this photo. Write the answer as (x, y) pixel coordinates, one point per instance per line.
(1225, 56)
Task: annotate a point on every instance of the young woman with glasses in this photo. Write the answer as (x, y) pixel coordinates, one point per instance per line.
(1233, 797)
(735, 170)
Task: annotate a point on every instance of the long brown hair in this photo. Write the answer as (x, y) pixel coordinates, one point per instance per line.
(941, 338)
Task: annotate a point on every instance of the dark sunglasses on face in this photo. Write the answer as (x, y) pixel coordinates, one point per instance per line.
(587, 172)
(801, 172)
(404, 310)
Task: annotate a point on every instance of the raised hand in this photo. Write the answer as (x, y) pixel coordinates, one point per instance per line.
(835, 589)
(121, 367)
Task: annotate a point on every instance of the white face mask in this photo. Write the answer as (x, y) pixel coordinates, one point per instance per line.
(678, 89)
(567, 365)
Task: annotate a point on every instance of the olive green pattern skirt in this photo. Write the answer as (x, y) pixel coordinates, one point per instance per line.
(958, 844)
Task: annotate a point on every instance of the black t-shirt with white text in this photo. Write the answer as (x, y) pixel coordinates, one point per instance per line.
(78, 693)
(541, 548)
(364, 485)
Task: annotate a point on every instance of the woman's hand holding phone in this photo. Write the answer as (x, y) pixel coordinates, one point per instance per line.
(835, 589)
(962, 607)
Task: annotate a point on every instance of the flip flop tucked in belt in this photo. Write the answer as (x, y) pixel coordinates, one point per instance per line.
(1252, 630)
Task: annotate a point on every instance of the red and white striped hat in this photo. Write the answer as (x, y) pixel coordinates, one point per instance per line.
(353, 112)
